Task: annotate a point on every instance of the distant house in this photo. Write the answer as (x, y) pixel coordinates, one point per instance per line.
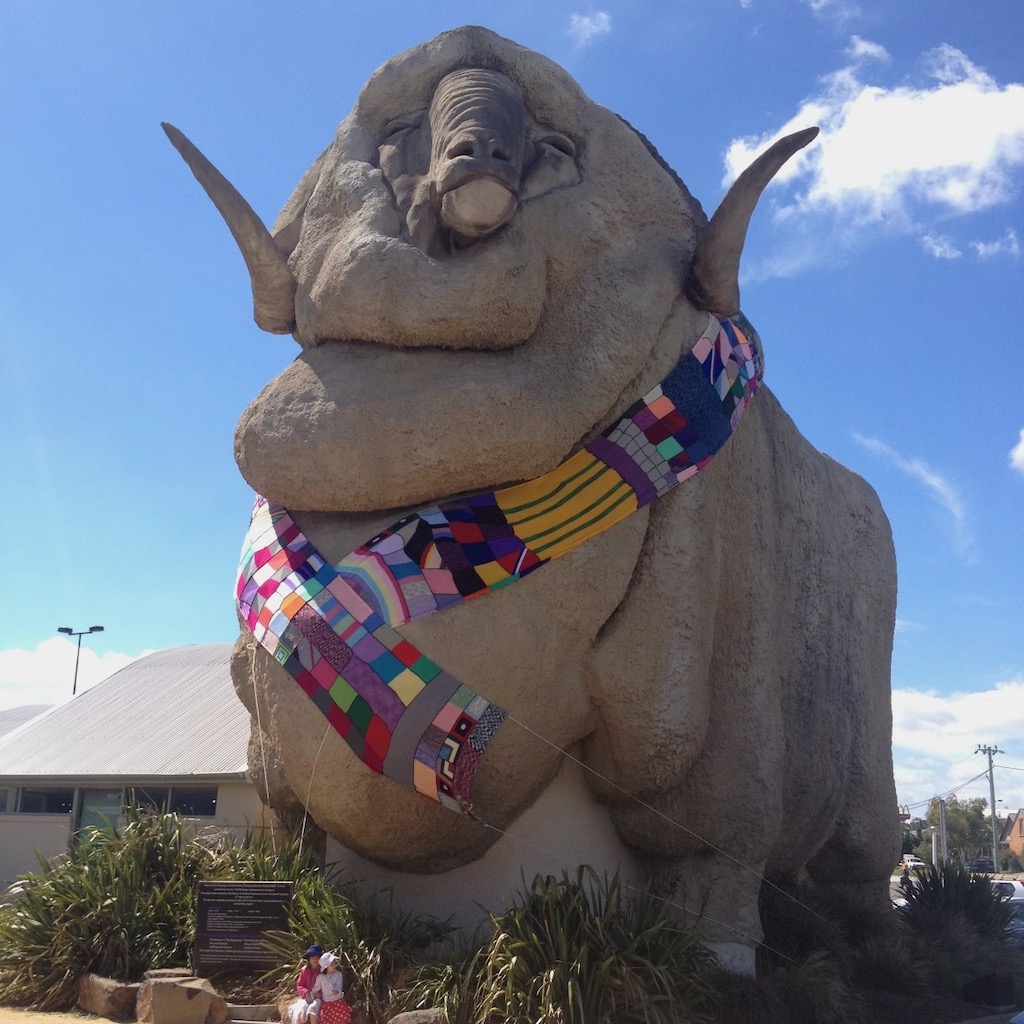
(166, 731)
(1013, 833)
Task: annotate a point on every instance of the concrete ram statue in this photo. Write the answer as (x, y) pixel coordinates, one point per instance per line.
(482, 271)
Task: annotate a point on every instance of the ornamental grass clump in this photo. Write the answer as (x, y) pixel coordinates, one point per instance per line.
(575, 950)
(951, 892)
(115, 904)
(960, 922)
(118, 903)
(376, 944)
(827, 951)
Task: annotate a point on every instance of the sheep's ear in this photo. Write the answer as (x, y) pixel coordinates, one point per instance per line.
(285, 231)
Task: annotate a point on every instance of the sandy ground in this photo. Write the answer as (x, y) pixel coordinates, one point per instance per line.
(10, 1015)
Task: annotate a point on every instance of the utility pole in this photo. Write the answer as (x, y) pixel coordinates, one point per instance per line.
(943, 844)
(992, 792)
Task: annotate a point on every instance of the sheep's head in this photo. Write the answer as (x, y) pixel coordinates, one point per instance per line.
(481, 269)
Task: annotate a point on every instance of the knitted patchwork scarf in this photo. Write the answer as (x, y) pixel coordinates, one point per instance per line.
(332, 627)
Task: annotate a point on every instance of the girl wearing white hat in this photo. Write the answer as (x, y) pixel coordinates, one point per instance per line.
(330, 989)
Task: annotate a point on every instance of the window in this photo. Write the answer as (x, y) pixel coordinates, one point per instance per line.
(151, 798)
(46, 801)
(194, 801)
(3, 800)
(188, 801)
(99, 808)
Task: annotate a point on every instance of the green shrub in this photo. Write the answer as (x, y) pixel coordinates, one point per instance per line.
(824, 947)
(891, 960)
(375, 943)
(114, 904)
(796, 924)
(959, 922)
(951, 893)
(1010, 863)
(738, 999)
(817, 991)
(117, 904)
(575, 950)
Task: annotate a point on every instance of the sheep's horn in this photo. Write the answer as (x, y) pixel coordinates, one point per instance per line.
(713, 281)
(273, 286)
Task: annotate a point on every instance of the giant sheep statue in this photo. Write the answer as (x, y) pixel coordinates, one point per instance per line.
(483, 271)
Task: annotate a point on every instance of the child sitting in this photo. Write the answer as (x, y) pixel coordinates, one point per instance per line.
(305, 1009)
(330, 989)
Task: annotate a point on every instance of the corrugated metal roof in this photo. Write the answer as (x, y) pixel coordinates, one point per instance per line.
(11, 718)
(170, 714)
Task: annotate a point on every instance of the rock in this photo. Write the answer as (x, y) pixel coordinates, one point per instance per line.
(283, 1002)
(178, 1000)
(105, 997)
(433, 1016)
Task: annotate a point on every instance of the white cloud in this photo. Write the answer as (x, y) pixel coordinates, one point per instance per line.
(934, 739)
(1007, 245)
(46, 675)
(863, 49)
(941, 491)
(907, 626)
(1017, 454)
(585, 28)
(839, 10)
(942, 247)
(946, 142)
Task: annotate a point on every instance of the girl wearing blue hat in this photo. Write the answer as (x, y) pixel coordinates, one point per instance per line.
(306, 1008)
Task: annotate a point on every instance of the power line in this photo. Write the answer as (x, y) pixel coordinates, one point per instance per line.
(949, 792)
(928, 800)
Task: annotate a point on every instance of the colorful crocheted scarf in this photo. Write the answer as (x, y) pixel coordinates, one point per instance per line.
(332, 627)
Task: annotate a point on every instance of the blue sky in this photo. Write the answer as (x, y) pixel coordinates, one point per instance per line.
(883, 271)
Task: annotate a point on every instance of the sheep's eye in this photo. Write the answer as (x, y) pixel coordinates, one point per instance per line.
(395, 129)
(558, 141)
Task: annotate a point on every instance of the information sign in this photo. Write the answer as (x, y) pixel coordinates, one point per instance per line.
(232, 919)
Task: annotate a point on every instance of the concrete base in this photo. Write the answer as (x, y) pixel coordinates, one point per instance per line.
(735, 957)
(253, 1013)
(563, 829)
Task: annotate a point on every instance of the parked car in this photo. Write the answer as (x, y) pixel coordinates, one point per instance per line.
(1015, 929)
(912, 862)
(981, 866)
(1009, 888)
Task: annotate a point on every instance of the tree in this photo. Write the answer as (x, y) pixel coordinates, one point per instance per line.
(968, 829)
(913, 835)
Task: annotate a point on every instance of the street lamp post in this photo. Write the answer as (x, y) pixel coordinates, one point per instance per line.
(67, 630)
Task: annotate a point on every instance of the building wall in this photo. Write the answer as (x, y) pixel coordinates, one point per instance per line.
(21, 835)
(1015, 834)
(239, 808)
